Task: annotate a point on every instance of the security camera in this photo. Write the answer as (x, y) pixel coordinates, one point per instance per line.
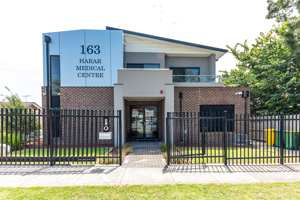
(238, 93)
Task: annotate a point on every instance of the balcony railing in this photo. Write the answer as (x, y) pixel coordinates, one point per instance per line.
(196, 78)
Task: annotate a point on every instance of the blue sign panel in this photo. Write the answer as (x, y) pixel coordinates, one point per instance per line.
(88, 58)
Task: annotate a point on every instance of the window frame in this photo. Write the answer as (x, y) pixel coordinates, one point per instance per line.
(171, 68)
(215, 125)
(56, 97)
(143, 65)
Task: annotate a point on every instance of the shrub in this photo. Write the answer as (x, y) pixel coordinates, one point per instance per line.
(163, 147)
(12, 141)
(131, 134)
(127, 148)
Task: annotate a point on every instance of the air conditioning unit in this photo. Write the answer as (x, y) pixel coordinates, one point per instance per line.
(239, 139)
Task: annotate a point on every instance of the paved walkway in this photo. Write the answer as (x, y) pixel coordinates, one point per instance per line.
(145, 155)
(144, 166)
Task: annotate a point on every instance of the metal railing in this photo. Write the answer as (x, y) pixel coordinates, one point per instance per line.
(60, 137)
(197, 138)
(196, 78)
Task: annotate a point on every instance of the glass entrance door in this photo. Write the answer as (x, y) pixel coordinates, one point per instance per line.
(144, 120)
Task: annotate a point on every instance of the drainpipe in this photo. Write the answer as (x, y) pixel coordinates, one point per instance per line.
(47, 40)
(180, 97)
(245, 95)
(181, 135)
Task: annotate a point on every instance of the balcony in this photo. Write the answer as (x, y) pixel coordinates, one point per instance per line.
(197, 80)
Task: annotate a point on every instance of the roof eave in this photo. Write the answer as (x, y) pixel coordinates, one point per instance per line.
(169, 40)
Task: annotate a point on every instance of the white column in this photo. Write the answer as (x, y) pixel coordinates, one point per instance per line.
(119, 105)
(169, 104)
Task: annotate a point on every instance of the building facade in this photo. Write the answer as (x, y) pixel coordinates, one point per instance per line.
(139, 74)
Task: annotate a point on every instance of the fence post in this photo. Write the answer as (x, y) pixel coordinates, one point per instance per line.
(120, 136)
(281, 137)
(225, 137)
(50, 133)
(168, 139)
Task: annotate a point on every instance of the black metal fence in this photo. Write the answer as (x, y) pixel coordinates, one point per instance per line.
(232, 139)
(60, 137)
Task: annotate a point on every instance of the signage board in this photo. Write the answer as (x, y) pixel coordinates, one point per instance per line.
(87, 57)
(135, 113)
(150, 113)
(105, 135)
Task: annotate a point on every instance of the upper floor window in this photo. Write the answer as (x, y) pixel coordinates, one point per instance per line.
(182, 74)
(143, 66)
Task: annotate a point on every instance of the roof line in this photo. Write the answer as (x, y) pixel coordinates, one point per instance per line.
(168, 40)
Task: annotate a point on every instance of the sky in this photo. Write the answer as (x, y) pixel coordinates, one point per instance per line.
(214, 23)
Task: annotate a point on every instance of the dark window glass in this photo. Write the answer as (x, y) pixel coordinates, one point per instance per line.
(216, 125)
(55, 81)
(143, 66)
(135, 66)
(192, 71)
(178, 71)
(55, 75)
(55, 93)
(181, 74)
(151, 66)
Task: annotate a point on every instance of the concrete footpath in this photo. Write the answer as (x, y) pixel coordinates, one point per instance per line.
(28, 176)
(145, 165)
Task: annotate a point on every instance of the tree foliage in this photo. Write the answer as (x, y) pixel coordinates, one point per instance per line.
(282, 10)
(12, 104)
(268, 68)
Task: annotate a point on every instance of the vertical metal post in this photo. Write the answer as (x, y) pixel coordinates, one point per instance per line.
(51, 136)
(225, 137)
(281, 137)
(47, 39)
(245, 117)
(180, 114)
(120, 136)
(168, 139)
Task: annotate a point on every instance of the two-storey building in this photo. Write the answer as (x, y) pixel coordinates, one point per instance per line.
(142, 75)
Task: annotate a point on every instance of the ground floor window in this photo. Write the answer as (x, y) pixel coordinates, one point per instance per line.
(216, 125)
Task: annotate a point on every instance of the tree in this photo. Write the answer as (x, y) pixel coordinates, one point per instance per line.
(268, 68)
(15, 125)
(282, 10)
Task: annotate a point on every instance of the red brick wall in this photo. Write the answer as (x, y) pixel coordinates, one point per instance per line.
(83, 98)
(193, 97)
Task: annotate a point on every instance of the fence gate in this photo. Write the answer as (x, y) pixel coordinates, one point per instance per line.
(60, 137)
(195, 138)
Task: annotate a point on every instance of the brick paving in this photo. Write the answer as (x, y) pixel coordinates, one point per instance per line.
(145, 155)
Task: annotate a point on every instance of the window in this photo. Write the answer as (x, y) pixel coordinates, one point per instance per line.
(216, 125)
(55, 81)
(55, 93)
(143, 66)
(181, 74)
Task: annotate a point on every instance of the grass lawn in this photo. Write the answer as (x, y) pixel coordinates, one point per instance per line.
(289, 190)
(78, 151)
(236, 153)
(100, 151)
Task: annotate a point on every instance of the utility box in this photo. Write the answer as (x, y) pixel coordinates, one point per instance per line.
(239, 139)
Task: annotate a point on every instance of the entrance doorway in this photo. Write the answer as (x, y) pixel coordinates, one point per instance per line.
(144, 120)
